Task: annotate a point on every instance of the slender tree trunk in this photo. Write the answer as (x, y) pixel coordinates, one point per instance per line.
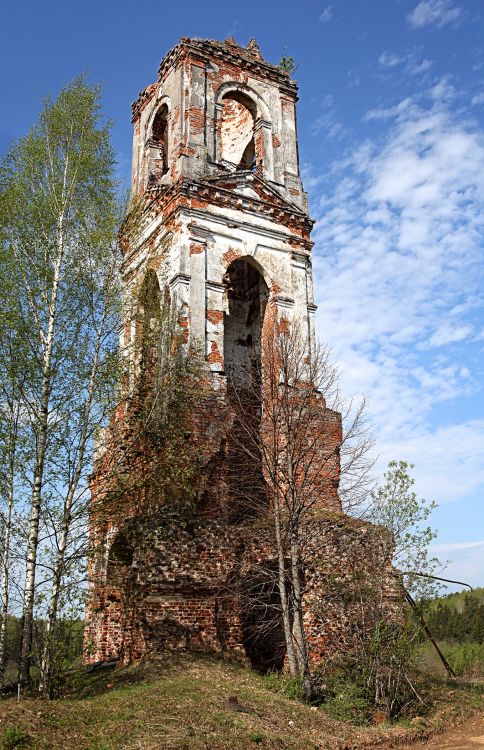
(286, 614)
(298, 623)
(46, 671)
(42, 430)
(4, 586)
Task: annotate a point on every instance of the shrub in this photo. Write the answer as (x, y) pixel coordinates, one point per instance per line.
(290, 687)
(466, 659)
(15, 736)
(347, 702)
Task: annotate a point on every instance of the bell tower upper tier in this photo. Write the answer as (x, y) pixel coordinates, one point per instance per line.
(217, 108)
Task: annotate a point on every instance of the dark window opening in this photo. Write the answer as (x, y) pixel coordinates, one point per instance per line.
(120, 560)
(158, 145)
(248, 157)
(247, 295)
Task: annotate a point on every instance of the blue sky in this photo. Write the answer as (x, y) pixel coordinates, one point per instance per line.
(391, 128)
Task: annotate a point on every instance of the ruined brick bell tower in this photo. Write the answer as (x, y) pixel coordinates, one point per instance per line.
(226, 239)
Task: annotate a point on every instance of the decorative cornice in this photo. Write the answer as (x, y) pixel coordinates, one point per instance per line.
(179, 278)
(215, 286)
(245, 58)
(196, 197)
(183, 192)
(280, 301)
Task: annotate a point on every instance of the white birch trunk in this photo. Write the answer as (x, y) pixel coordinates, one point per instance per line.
(4, 585)
(42, 429)
(48, 656)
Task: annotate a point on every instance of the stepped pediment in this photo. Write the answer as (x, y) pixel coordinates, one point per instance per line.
(248, 184)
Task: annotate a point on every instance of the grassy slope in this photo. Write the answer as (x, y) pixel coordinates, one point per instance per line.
(182, 703)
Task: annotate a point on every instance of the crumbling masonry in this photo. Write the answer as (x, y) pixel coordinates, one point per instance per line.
(225, 240)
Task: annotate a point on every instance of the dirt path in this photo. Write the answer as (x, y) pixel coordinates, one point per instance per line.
(468, 736)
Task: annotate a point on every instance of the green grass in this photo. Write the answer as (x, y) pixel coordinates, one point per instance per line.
(466, 659)
(182, 702)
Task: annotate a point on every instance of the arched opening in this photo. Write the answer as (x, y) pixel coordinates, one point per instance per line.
(237, 130)
(158, 145)
(150, 334)
(120, 560)
(247, 294)
(262, 624)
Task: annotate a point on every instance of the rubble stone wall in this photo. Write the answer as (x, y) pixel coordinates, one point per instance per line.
(185, 589)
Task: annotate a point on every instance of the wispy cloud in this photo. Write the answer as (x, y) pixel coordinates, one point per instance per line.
(399, 283)
(328, 122)
(467, 561)
(326, 15)
(448, 334)
(477, 99)
(455, 546)
(389, 59)
(435, 13)
(410, 60)
(415, 67)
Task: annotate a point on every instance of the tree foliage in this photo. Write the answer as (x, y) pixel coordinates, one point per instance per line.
(396, 506)
(59, 215)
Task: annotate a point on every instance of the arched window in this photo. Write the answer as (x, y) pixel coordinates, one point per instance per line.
(158, 145)
(120, 560)
(237, 130)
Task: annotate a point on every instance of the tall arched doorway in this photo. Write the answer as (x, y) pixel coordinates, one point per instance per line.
(247, 298)
(247, 295)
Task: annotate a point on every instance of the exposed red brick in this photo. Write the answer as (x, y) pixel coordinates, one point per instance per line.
(231, 255)
(215, 316)
(180, 585)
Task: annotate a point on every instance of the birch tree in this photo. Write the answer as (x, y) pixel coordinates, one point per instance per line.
(396, 506)
(59, 199)
(12, 439)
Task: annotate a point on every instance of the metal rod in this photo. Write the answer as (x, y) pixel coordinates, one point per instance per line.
(444, 661)
(437, 578)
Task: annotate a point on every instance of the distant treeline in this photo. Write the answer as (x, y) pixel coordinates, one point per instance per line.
(70, 643)
(457, 617)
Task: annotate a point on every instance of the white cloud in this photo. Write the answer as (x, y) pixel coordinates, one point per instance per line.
(399, 284)
(443, 89)
(415, 67)
(388, 113)
(449, 460)
(326, 15)
(389, 59)
(413, 64)
(447, 334)
(328, 122)
(467, 562)
(438, 549)
(478, 99)
(434, 13)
